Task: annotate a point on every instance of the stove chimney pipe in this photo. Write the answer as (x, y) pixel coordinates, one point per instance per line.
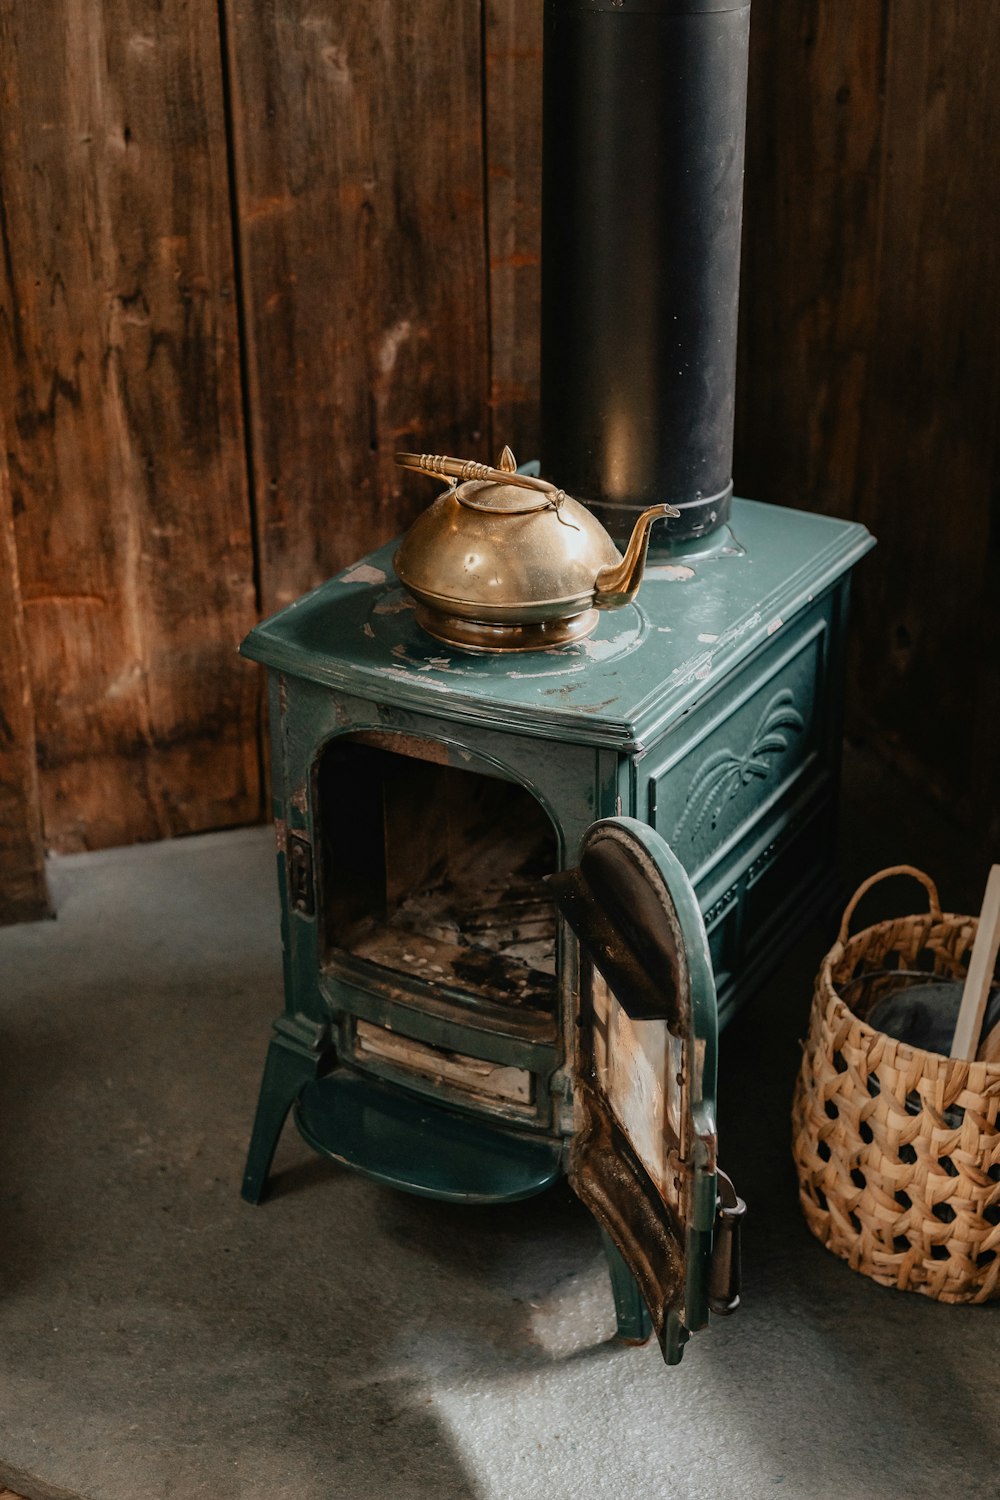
(642, 191)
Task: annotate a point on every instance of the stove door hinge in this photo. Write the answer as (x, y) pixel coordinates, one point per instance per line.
(563, 1107)
(301, 881)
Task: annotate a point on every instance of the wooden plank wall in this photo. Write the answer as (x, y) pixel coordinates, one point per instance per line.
(870, 350)
(513, 132)
(358, 183)
(120, 368)
(250, 250)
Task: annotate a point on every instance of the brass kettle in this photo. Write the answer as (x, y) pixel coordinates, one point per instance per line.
(506, 562)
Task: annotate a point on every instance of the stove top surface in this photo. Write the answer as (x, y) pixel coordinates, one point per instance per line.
(694, 619)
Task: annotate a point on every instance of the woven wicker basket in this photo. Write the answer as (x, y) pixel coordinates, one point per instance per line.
(897, 1149)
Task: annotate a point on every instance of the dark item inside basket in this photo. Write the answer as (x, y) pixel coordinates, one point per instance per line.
(913, 1007)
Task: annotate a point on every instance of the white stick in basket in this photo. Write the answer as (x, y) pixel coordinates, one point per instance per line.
(980, 975)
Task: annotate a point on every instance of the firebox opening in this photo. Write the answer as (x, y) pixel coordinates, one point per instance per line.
(436, 873)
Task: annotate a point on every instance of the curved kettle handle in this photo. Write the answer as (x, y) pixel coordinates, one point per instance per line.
(438, 466)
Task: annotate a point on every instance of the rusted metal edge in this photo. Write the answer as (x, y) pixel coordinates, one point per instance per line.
(608, 1178)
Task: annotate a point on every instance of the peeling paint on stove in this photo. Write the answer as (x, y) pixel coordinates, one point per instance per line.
(699, 667)
(735, 631)
(708, 640)
(565, 672)
(362, 573)
(669, 573)
(565, 691)
(688, 671)
(323, 637)
(393, 603)
(426, 664)
(775, 624)
(601, 650)
(402, 675)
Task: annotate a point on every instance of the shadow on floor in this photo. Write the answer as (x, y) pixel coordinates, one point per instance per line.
(160, 1338)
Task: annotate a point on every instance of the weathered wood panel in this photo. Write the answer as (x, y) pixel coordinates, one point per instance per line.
(513, 140)
(387, 185)
(23, 894)
(811, 229)
(357, 133)
(118, 345)
(928, 479)
(870, 351)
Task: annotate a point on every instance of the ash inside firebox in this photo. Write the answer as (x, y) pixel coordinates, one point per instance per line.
(443, 880)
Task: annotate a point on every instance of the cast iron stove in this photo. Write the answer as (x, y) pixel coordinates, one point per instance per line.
(430, 1035)
(522, 893)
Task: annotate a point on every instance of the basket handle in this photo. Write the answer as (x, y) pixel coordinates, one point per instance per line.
(866, 885)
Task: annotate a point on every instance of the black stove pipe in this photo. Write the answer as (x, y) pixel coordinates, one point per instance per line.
(642, 193)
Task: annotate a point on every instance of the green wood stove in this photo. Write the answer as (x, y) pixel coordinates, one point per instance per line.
(522, 892)
(443, 1030)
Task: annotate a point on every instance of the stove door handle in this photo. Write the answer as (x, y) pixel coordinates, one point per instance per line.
(726, 1274)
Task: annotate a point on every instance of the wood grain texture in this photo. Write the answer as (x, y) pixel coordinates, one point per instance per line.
(810, 249)
(929, 672)
(386, 181)
(870, 356)
(23, 893)
(359, 177)
(120, 371)
(513, 142)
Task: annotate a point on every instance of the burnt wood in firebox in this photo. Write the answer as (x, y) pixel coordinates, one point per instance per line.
(437, 873)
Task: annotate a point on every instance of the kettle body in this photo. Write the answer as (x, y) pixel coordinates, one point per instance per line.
(504, 562)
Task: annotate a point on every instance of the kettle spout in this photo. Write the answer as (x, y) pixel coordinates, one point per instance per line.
(618, 584)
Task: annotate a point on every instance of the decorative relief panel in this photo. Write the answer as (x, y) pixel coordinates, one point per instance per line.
(753, 746)
(727, 772)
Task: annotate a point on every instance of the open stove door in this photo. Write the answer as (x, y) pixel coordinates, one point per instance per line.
(643, 1158)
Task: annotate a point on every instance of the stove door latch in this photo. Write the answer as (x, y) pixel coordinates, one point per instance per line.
(725, 1276)
(301, 885)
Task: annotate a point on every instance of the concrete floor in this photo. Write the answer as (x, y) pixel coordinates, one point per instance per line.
(159, 1338)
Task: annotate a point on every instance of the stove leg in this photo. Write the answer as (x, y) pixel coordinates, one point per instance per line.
(634, 1323)
(290, 1065)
